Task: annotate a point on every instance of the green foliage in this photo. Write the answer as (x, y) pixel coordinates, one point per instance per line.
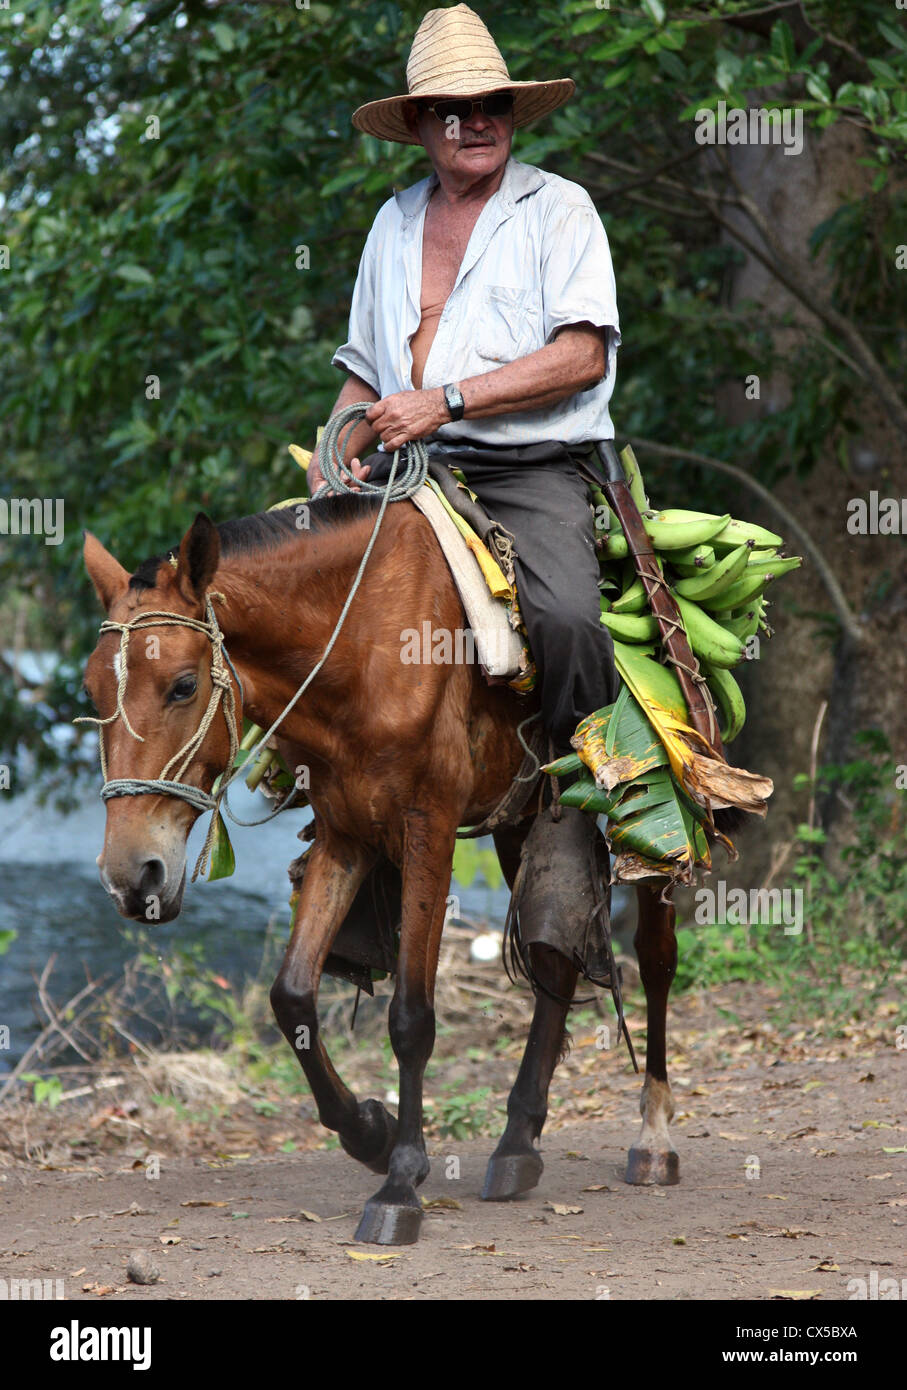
(471, 861)
(46, 1090)
(464, 1114)
(855, 905)
(163, 340)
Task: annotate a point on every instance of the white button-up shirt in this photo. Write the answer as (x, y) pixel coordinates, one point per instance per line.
(538, 260)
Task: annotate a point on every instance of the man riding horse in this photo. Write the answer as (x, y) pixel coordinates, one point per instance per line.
(484, 322)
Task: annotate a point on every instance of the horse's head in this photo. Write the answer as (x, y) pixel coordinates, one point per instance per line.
(169, 711)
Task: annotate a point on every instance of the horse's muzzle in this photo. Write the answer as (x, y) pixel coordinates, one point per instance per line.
(145, 895)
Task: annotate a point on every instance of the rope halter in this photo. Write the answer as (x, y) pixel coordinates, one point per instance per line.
(221, 689)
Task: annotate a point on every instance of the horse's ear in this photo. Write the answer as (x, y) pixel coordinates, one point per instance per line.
(107, 575)
(198, 559)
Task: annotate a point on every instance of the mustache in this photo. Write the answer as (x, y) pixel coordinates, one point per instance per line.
(465, 142)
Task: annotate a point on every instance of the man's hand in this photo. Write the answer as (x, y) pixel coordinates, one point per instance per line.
(316, 477)
(408, 415)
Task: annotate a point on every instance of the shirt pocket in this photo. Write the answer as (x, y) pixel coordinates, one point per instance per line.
(509, 324)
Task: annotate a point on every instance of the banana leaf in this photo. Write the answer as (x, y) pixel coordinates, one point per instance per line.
(618, 743)
(652, 826)
(703, 777)
(223, 860)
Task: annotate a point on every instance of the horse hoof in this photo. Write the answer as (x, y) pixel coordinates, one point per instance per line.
(508, 1175)
(383, 1223)
(645, 1168)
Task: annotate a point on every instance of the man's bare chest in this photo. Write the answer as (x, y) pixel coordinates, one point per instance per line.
(444, 242)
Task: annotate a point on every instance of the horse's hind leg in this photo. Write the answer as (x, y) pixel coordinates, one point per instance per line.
(333, 875)
(515, 1166)
(653, 1158)
(394, 1215)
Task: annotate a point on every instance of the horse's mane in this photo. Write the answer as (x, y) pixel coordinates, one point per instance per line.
(268, 530)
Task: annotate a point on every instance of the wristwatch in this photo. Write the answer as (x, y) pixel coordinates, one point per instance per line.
(455, 403)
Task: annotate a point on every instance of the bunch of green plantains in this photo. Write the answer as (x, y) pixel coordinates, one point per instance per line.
(640, 764)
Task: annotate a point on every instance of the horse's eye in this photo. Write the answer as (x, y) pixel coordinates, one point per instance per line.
(184, 689)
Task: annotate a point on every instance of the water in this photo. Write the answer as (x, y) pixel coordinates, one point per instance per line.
(51, 896)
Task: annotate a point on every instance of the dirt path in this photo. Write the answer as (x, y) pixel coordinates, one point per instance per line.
(829, 1205)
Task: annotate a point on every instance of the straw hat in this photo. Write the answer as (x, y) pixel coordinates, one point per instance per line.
(454, 55)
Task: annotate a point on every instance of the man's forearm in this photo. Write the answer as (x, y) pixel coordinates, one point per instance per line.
(573, 362)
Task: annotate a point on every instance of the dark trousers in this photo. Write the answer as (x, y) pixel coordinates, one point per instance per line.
(537, 493)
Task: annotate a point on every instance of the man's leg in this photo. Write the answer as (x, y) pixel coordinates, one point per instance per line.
(547, 510)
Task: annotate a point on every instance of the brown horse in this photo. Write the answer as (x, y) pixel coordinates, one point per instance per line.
(398, 755)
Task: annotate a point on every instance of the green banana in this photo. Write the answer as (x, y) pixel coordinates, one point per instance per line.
(731, 706)
(780, 564)
(697, 557)
(615, 544)
(707, 638)
(714, 581)
(677, 530)
(744, 532)
(631, 627)
(632, 600)
(634, 478)
(749, 587)
(747, 624)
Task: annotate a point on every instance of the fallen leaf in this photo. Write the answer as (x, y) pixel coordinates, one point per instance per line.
(794, 1293)
(773, 1197)
(679, 1240)
(560, 1209)
(170, 1240)
(202, 1202)
(878, 1177)
(441, 1203)
(735, 1235)
(894, 1202)
(597, 1187)
(901, 1150)
(377, 1258)
(811, 1085)
(305, 1215)
(827, 1267)
(734, 1138)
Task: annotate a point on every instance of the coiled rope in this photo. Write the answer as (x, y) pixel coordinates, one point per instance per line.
(332, 452)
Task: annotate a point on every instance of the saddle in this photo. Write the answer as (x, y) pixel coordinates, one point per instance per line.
(480, 553)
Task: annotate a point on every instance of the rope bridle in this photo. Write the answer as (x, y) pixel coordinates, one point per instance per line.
(221, 691)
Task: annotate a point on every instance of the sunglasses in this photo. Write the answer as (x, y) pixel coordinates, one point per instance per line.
(496, 105)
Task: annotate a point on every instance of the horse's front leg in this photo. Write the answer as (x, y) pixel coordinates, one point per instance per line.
(653, 1158)
(394, 1215)
(333, 875)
